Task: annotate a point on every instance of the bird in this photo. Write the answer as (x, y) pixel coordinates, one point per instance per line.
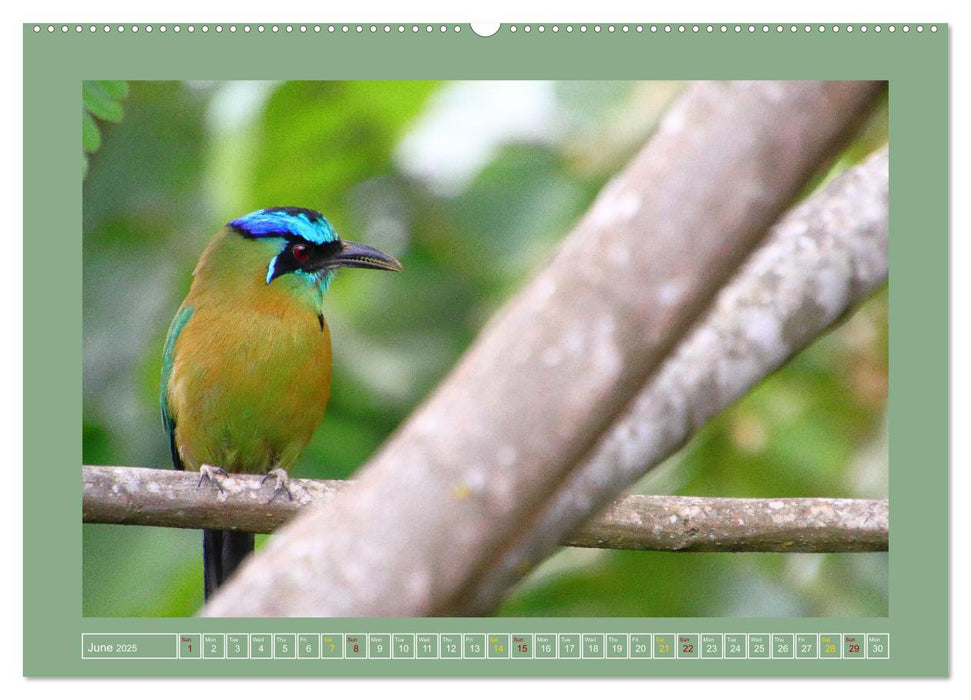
(246, 365)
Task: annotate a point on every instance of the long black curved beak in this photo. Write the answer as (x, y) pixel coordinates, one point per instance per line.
(360, 255)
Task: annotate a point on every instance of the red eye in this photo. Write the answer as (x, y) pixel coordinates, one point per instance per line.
(301, 252)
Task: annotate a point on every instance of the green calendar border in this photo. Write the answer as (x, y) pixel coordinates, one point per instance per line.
(914, 62)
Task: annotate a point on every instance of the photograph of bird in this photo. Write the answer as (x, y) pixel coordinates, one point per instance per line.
(246, 366)
(284, 405)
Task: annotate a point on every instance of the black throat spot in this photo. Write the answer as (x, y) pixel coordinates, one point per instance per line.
(320, 320)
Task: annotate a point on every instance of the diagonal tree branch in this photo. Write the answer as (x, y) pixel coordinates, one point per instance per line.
(167, 498)
(434, 511)
(823, 257)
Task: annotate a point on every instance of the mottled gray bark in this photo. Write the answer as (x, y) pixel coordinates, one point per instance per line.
(433, 513)
(692, 524)
(169, 498)
(166, 498)
(823, 257)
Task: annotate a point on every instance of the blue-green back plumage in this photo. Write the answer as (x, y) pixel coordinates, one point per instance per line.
(168, 356)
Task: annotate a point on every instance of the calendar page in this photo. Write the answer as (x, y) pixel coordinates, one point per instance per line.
(408, 349)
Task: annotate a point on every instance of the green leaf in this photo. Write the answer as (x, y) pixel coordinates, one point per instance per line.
(90, 136)
(115, 88)
(100, 102)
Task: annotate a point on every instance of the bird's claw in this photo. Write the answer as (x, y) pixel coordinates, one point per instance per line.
(214, 475)
(282, 482)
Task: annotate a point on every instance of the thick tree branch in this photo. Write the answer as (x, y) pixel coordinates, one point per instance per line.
(435, 510)
(167, 498)
(823, 257)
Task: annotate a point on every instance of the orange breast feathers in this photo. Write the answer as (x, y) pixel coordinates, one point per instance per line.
(249, 382)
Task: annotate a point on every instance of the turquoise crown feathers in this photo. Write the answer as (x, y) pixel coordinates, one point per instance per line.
(286, 222)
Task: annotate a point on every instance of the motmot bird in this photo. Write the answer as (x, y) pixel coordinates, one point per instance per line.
(246, 366)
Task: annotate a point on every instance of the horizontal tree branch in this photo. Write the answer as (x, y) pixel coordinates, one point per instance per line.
(168, 498)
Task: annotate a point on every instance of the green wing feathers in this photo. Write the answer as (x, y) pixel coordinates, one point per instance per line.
(168, 358)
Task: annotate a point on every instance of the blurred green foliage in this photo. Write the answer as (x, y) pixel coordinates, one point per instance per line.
(472, 209)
